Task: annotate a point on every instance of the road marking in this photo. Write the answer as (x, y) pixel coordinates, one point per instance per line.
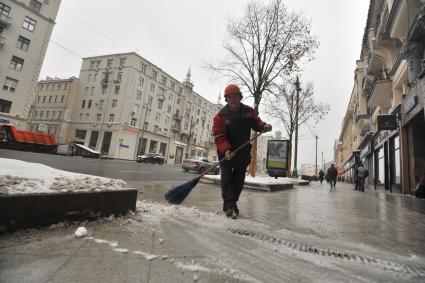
(135, 172)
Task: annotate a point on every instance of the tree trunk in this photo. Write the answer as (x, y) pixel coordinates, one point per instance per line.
(253, 165)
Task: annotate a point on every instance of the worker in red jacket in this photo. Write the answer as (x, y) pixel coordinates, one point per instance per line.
(231, 128)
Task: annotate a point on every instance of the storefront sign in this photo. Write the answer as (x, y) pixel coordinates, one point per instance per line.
(387, 122)
(365, 151)
(380, 138)
(409, 104)
(42, 128)
(4, 121)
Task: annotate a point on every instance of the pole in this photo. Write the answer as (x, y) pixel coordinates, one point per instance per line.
(323, 163)
(143, 125)
(316, 153)
(298, 89)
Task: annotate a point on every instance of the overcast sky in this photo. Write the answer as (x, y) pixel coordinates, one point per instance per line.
(177, 34)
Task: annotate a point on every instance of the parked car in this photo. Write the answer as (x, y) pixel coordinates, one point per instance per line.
(199, 164)
(151, 158)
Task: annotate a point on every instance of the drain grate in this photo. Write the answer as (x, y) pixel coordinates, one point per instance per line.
(386, 265)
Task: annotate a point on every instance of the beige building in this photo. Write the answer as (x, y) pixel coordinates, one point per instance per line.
(52, 108)
(127, 106)
(25, 30)
(384, 123)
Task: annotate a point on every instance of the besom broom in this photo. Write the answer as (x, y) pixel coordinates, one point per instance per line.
(178, 194)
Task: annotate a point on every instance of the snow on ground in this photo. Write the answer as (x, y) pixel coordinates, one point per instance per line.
(20, 177)
(262, 180)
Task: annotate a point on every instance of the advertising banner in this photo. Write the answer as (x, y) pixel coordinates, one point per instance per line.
(277, 155)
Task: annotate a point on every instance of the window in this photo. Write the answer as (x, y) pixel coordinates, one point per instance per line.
(41, 114)
(35, 5)
(122, 62)
(150, 100)
(62, 98)
(139, 95)
(5, 104)
(10, 84)
(143, 68)
(92, 90)
(38, 99)
(101, 104)
(83, 104)
(59, 114)
(133, 122)
(50, 99)
(169, 108)
(98, 117)
(44, 99)
(109, 63)
(29, 24)
(53, 114)
(117, 89)
(153, 145)
(92, 64)
(65, 86)
(111, 118)
(163, 80)
(160, 102)
(87, 116)
(141, 81)
(119, 77)
(47, 114)
(86, 90)
(158, 117)
(114, 103)
(89, 104)
(16, 63)
(170, 96)
(89, 77)
(154, 74)
(173, 84)
(4, 9)
(152, 87)
(178, 101)
(23, 43)
(81, 116)
(80, 134)
(155, 129)
(94, 77)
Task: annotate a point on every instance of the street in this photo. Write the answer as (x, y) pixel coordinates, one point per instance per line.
(111, 168)
(303, 234)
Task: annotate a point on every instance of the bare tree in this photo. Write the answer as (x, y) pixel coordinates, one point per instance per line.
(265, 44)
(283, 107)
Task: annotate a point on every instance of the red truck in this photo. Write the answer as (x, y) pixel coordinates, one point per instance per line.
(10, 137)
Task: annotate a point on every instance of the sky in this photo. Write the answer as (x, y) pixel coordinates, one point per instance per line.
(178, 35)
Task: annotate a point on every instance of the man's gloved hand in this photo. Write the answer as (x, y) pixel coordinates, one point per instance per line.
(267, 128)
(228, 154)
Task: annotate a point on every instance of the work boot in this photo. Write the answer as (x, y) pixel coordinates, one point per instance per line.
(231, 213)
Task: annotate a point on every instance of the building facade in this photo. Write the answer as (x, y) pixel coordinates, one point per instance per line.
(25, 30)
(52, 108)
(127, 106)
(384, 123)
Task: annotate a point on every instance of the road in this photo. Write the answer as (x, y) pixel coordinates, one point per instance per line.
(129, 171)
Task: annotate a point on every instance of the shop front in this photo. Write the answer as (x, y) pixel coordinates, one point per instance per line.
(387, 171)
(413, 137)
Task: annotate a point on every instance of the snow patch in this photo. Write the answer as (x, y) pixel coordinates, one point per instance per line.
(191, 267)
(20, 177)
(146, 255)
(80, 232)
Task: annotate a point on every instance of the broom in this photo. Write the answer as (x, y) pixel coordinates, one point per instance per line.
(178, 194)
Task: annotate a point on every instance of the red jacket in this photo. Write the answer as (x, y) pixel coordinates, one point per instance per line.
(231, 129)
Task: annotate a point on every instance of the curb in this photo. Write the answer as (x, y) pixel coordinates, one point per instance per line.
(37, 210)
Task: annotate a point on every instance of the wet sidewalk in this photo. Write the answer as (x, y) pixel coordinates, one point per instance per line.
(304, 234)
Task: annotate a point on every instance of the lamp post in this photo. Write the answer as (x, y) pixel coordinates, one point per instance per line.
(316, 153)
(146, 107)
(298, 89)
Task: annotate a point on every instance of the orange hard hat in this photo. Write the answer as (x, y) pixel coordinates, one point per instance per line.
(232, 89)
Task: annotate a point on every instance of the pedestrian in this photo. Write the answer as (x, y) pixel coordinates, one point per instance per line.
(232, 127)
(362, 174)
(420, 187)
(321, 174)
(332, 174)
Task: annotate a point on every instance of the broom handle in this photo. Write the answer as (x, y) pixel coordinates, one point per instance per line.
(256, 135)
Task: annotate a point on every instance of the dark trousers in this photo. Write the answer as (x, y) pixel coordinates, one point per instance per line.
(333, 182)
(232, 180)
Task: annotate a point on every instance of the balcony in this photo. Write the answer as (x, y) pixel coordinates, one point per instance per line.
(175, 128)
(177, 117)
(5, 21)
(381, 91)
(417, 30)
(376, 63)
(2, 41)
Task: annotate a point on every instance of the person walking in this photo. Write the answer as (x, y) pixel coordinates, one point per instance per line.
(332, 174)
(321, 174)
(362, 174)
(232, 127)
